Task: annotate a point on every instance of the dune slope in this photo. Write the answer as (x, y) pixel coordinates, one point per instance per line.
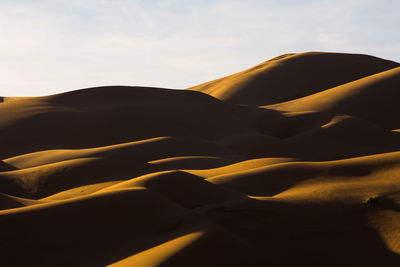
(295, 162)
(373, 98)
(291, 76)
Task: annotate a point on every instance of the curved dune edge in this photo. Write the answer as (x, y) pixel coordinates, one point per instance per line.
(294, 162)
(157, 255)
(309, 73)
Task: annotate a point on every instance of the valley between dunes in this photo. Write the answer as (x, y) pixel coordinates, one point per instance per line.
(294, 162)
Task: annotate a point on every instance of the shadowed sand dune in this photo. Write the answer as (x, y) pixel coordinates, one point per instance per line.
(294, 162)
(354, 98)
(312, 72)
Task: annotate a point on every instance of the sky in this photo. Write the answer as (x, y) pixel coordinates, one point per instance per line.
(52, 46)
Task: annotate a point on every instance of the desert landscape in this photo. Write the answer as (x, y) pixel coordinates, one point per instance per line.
(294, 162)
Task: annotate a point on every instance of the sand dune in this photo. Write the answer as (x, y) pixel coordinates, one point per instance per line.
(312, 72)
(357, 98)
(294, 162)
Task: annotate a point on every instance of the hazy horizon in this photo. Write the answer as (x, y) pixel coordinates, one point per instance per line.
(54, 46)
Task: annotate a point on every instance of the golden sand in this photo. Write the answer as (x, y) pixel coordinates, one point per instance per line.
(294, 162)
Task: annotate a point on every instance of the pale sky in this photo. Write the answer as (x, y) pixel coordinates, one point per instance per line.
(51, 46)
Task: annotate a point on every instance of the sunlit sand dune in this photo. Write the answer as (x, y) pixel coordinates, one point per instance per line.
(312, 72)
(294, 162)
(373, 98)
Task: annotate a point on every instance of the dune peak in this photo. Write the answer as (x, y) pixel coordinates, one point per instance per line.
(283, 164)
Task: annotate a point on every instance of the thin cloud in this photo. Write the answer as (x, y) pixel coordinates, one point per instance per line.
(53, 46)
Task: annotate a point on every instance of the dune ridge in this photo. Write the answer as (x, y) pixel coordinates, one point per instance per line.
(292, 162)
(309, 73)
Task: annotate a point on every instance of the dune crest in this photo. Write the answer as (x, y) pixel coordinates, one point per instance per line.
(294, 162)
(291, 76)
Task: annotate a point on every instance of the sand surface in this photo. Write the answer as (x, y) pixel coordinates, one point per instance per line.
(294, 162)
